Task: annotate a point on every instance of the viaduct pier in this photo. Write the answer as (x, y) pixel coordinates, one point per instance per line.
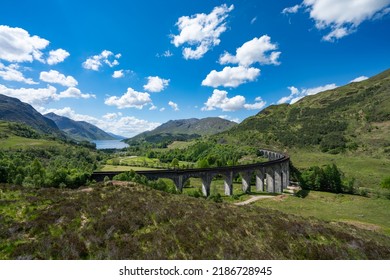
(271, 176)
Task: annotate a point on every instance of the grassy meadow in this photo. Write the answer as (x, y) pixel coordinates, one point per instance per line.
(368, 171)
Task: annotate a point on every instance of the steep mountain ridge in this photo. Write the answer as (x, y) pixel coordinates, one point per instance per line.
(79, 130)
(12, 109)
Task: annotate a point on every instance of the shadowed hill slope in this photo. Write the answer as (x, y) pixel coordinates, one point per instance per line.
(12, 109)
(79, 130)
(183, 130)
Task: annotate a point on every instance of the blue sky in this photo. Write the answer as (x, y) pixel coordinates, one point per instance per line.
(128, 66)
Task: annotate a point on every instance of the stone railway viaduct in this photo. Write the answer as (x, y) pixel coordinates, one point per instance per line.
(271, 176)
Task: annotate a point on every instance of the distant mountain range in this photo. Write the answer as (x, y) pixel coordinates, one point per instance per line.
(184, 129)
(14, 110)
(79, 130)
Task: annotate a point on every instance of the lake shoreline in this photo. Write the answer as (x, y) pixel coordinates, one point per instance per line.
(110, 144)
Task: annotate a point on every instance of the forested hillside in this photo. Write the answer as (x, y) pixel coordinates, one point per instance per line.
(355, 117)
(33, 159)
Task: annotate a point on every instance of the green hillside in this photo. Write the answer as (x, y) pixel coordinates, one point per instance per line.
(130, 221)
(349, 126)
(34, 159)
(182, 130)
(355, 117)
(12, 109)
(18, 136)
(79, 130)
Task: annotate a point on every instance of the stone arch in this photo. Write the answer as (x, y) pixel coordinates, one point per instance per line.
(246, 177)
(260, 176)
(270, 183)
(278, 178)
(228, 182)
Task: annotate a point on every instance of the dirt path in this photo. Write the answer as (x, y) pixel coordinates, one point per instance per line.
(253, 199)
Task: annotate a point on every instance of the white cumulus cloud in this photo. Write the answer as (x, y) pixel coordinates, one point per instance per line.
(291, 10)
(258, 50)
(73, 92)
(37, 97)
(111, 116)
(131, 99)
(173, 105)
(17, 45)
(153, 107)
(105, 57)
(57, 56)
(55, 77)
(359, 79)
(229, 118)
(167, 53)
(118, 74)
(259, 104)
(220, 100)
(11, 73)
(341, 18)
(202, 31)
(231, 76)
(296, 94)
(156, 84)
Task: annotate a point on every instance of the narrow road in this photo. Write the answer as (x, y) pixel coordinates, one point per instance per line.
(253, 199)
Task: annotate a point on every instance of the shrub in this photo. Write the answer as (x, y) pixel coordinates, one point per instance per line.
(386, 183)
(195, 193)
(215, 197)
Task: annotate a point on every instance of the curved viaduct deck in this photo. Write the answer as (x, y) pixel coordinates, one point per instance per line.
(271, 176)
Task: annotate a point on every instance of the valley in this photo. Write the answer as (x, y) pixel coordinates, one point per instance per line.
(49, 200)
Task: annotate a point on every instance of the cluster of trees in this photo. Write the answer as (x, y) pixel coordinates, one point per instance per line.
(328, 178)
(23, 130)
(204, 153)
(65, 166)
(162, 140)
(131, 176)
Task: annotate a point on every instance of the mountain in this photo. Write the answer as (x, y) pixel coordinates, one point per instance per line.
(354, 117)
(79, 130)
(12, 109)
(184, 130)
(118, 137)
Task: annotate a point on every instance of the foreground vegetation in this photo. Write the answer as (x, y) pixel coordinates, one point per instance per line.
(131, 221)
(33, 159)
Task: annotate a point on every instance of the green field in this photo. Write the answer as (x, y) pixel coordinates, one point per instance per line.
(180, 144)
(16, 142)
(368, 213)
(140, 161)
(108, 167)
(367, 171)
(9, 140)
